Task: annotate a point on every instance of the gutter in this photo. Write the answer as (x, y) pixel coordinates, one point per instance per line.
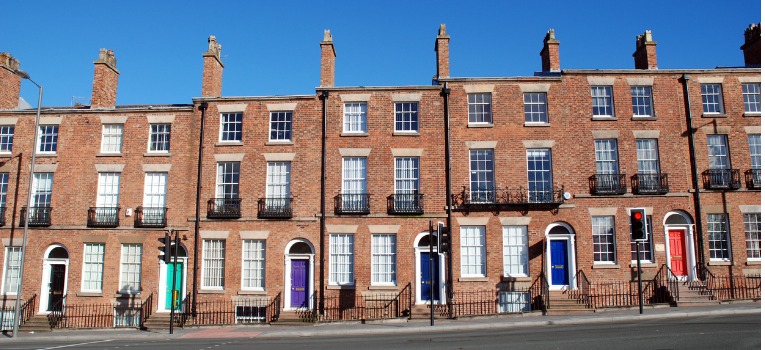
(323, 216)
(203, 108)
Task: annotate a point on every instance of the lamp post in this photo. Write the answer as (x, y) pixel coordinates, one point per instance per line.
(17, 313)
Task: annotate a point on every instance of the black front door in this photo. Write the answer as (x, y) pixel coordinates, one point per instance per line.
(56, 290)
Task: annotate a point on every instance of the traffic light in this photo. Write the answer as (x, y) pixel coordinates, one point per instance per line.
(443, 238)
(166, 243)
(638, 224)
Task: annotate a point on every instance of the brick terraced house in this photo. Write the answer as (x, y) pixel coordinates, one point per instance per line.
(319, 207)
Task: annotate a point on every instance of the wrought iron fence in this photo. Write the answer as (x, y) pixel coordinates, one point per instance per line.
(583, 289)
(149, 217)
(752, 177)
(243, 311)
(357, 203)
(8, 313)
(650, 183)
(347, 305)
(103, 217)
(721, 179)
(275, 208)
(38, 216)
(496, 199)
(224, 208)
(604, 184)
(406, 203)
(727, 288)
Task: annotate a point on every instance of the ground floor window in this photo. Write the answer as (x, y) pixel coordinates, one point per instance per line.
(12, 270)
(717, 229)
(130, 278)
(752, 228)
(213, 258)
(512, 302)
(341, 259)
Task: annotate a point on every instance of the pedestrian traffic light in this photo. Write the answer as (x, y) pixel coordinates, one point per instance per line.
(638, 224)
(443, 238)
(164, 248)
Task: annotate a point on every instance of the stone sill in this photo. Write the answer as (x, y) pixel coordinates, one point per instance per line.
(9, 296)
(46, 155)
(211, 291)
(606, 266)
(406, 133)
(603, 118)
(752, 114)
(477, 125)
(223, 144)
(643, 264)
(90, 294)
(279, 143)
(473, 279)
(156, 154)
(516, 279)
(383, 288)
(647, 118)
(127, 295)
(335, 286)
(753, 262)
(251, 292)
(536, 125)
(357, 134)
(714, 115)
(109, 155)
(720, 263)
(6, 155)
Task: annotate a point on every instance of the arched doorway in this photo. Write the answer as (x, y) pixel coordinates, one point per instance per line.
(560, 256)
(298, 274)
(167, 298)
(423, 270)
(680, 243)
(55, 273)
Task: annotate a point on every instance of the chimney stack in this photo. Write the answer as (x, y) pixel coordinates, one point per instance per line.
(550, 54)
(327, 60)
(442, 53)
(105, 80)
(751, 45)
(645, 52)
(10, 83)
(212, 72)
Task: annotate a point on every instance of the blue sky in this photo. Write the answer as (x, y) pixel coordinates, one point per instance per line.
(272, 48)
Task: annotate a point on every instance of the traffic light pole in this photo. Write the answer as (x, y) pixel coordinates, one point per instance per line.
(172, 290)
(640, 277)
(430, 257)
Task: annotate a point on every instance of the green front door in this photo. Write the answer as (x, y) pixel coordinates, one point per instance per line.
(174, 299)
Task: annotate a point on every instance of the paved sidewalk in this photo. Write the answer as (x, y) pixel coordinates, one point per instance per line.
(398, 326)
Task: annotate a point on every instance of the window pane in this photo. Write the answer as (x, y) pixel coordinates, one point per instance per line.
(47, 140)
(355, 117)
(711, 98)
(535, 107)
(647, 156)
(539, 165)
(159, 138)
(228, 180)
(341, 259)
(6, 138)
(602, 103)
(108, 190)
(130, 278)
(384, 259)
(718, 152)
(515, 250)
(479, 108)
(603, 239)
(482, 175)
(281, 126)
(751, 98)
(407, 116)
(753, 229)
(12, 270)
(718, 236)
(253, 264)
(93, 267)
(642, 101)
(473, 250)
(231, 127)
(155, 190)
(213, 258)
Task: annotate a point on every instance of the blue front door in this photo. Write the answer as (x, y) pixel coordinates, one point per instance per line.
(559, 262)
(425, 277)
(299, 281)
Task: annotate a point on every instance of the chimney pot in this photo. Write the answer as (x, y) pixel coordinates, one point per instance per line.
(328, 55)
(212, 70)
(442, 53)
(105, 79)
(550, 53)
(645, 52)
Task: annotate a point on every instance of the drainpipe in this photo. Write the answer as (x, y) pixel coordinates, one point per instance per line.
(203, 108)
(445, 91)
(694, 173)
(322, 219)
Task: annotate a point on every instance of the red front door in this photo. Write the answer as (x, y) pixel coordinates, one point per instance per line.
(677, 252)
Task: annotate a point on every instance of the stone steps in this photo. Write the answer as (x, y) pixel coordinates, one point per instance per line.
(561, 304)
(36, 324)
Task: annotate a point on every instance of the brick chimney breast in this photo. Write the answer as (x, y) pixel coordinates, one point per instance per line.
(645, 52)
(751, 45)
(442, 53)
(328, 55)
(10, 83)
(105, 78)
(212, 71)
(550, 54)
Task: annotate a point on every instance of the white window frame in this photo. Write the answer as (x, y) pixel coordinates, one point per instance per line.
(111, 138)
(108, 190)
(213, 264)
(602, 101)
(42, 190)
(479, 108)
(540, 178)
(383, 260)
(4, 189)
(130, 268)
(406, 175)
(752, 102)
(6, 138)
(603, 240)
(11, 270)
(606, 156)
(155, 190)
(482, 183)
(535, 108)
(755, 150)
(753, 236)
(648, 156)
(354, 175)
(254, 264)
(280, 126)
(47, 139)
(515, 251)
(93, 267)
(159, 138)
(407, 117)
(718, 152)
(712, 99)
(718, 232)
(231, 127)
(642, 101)
(227, 180)
(341, 260)
(473, 251)
(355, 117)
(278, 179)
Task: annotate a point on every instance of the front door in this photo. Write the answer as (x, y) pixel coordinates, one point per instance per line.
(425, 272)
(56, 289)
(559, 262)
(677, 252)
(299, 284)
(173, 298)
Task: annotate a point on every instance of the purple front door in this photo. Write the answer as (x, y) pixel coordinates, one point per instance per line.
(299, 280)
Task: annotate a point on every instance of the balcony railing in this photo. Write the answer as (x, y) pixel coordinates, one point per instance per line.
(605, 184)
(650, 183)
(752, 179)
(520, 199)
(103, 217)
(721, 179)
(275, 208)
(38, 216)
(357, 203)
(150, 217)
(406, 204)
(2, 216)
(224, 208)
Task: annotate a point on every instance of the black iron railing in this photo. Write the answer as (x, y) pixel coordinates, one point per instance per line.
(103, 217)
(242, 311)
(721, 179)
(605, 184)
(406, 204)
(38, 216)
(752, 177)
(275, 208)
(224, 208)
(357, 203)
(521, 199)
(650, 183)
(150, 217)
(582, 292)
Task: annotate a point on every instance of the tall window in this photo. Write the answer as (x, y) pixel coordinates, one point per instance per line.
(646, 247)
(602, 101)
(407, 175)
(753, 229)
(253, 264)
(755, 150)
(479, 108)
(213, 263)
(355, 117)
(473, 251)
(711, 98)
(407, 116)
(482, 175)
(540, 175)
(3, 189)
(42, 189)
(718, 152)
(515, 252)
(751, 97)
(341, 259)
(6, 138)
(642, 101)
(717, 227)
(535, 107)
(603, 240)
(47, 139)
(228, 180)
(231, 127)
(108, 190)
(130, 265)
(384, 259)
(111, 138)
(281, 126)
(12, 271)
(354, 175)
(606, 157)
(155, 190)
(159, 138)
(278, 180)
(648, 156)
(93, 267)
